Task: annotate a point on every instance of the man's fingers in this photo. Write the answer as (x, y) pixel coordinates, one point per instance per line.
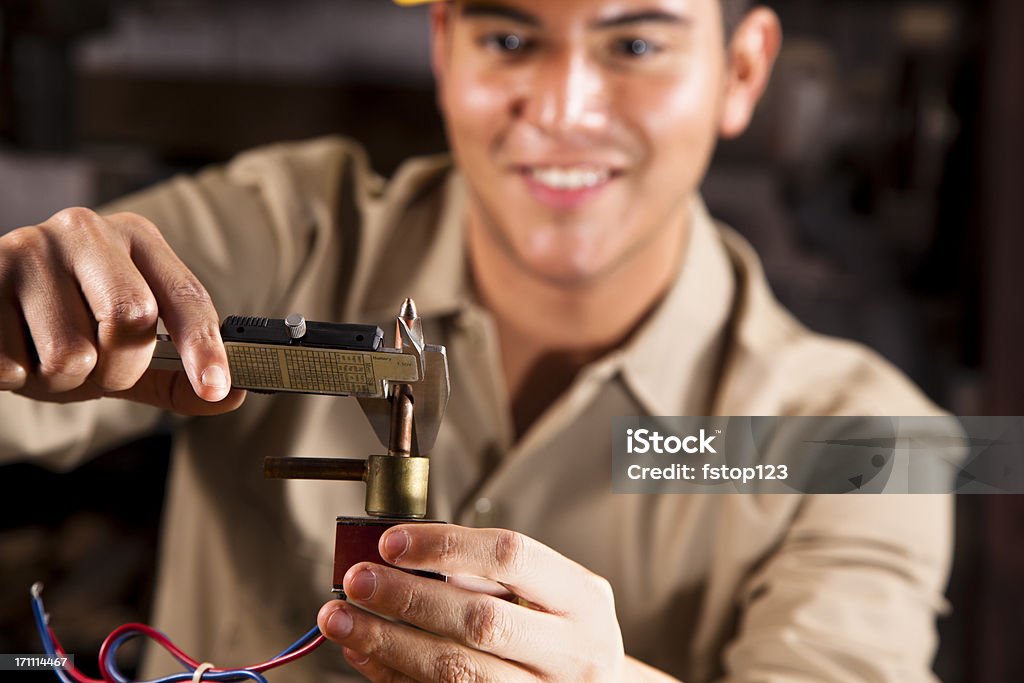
(420, 655)
(529, 569)
(84, 292)
(171, 390)
(188, 313)
(14, 360)
(60, 327)
(483, 622)
(124, 309)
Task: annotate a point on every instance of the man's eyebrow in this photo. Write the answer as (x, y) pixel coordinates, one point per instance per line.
(642, 17)
(494, 10)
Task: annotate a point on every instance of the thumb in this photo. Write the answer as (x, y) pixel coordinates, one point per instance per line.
(172, 390)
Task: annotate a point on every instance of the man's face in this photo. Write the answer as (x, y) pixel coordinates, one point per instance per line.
(582, 126)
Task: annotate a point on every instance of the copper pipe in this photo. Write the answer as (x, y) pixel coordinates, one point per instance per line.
(400, 443)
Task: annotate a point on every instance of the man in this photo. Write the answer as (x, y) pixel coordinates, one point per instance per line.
(570, 268)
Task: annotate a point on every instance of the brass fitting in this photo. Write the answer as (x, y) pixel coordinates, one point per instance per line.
(396, 487)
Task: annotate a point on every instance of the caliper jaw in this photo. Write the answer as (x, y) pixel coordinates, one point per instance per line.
(429, 394)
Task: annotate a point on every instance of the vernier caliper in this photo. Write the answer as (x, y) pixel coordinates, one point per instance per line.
(403, 391)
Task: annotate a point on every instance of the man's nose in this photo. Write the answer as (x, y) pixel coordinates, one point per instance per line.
(566, 93)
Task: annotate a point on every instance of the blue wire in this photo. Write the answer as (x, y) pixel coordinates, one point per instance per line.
(213, 676)
(233, 675)
(210, 676)
(301, 642)
(112, 657)
(48, 646)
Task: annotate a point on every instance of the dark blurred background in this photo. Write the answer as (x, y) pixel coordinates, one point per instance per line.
(882, 183)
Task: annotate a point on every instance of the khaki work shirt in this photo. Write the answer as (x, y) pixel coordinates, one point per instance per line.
(707, 587)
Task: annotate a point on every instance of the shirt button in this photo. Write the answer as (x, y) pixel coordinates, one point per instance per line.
(485, 512)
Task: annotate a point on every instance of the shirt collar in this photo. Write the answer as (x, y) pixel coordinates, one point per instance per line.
(429, 198)
(670, 364)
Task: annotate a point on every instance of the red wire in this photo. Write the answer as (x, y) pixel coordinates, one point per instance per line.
(176, 652)
(136, 629)
(148, 631)
(179, 654)
(72, 671)
(291, 657)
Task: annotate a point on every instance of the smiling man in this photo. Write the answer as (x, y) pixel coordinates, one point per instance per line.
(584, 131)
(564, 257)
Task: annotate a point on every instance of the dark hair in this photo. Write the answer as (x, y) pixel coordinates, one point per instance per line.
(733, 12)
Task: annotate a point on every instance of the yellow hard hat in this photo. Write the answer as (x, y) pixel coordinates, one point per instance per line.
(413, 2)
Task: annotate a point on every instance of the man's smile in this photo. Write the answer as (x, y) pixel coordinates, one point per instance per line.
(566, 186)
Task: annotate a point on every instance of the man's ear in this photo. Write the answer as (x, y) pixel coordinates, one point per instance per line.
(755, 44)
(440, 44)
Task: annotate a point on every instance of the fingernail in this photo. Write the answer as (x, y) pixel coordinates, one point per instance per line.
(339, 624)
(214, 376)
(395, 545)
(362, 585)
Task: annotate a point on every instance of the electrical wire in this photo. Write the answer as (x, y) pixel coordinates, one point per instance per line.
(311, 640)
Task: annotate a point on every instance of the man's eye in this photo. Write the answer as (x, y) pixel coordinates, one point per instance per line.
(508, 43)
(635, 47)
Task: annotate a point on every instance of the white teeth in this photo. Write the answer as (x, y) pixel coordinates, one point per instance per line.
(569, 178)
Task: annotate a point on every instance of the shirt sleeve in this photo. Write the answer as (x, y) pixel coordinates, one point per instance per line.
(851, 593)
(246, 229)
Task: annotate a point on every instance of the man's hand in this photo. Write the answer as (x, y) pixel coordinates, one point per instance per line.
(513, 610)
(80, 295)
